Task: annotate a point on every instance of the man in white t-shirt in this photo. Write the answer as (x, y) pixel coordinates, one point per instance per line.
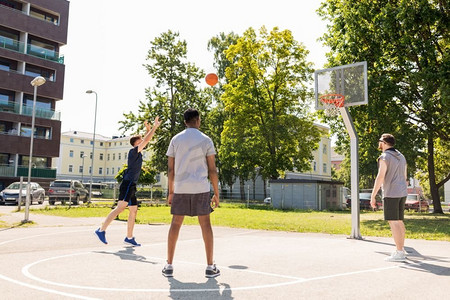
(191, 159)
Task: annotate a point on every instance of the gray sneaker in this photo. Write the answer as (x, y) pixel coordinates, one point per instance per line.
(167, 271)
(396, 256)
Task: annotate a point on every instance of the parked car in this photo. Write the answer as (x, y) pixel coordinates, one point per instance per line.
(97, 189)
(11, 193)
(268, 200)
(364, 201)
(416, 202)
(63, 190)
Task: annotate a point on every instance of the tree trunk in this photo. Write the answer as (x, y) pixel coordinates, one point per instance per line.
(254, 188)
(241, 183)
(265, 188)
(434, 190)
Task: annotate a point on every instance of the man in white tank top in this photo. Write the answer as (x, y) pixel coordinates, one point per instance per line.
(392, 178)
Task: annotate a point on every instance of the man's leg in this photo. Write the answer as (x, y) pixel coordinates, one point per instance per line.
(208, 237)
(398, 233)
(131, 220)
(174, 230)
(113, 214)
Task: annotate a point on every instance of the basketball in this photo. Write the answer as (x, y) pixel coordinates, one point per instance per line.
(211, 79)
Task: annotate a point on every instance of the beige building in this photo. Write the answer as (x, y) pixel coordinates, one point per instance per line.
(110, 154)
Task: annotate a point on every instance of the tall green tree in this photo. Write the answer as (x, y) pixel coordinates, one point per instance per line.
(406, 46)
(266, 98)
(217, 116)
(175, 90)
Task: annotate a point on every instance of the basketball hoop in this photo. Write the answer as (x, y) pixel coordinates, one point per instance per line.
(331, 103)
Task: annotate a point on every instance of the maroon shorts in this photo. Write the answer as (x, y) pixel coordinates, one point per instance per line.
(191, 204)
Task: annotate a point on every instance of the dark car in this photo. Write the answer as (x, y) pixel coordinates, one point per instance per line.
(11, 193)
(364, 201)
(66, 190)
(417, 203)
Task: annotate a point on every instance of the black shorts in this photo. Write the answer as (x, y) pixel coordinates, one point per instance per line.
(191, 204)
(127, 192)
(394, 208)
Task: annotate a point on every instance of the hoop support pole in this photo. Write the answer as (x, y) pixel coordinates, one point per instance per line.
(354, 159)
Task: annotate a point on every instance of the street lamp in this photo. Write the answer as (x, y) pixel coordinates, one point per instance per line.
(82, 167)
(37, 81)
(93, 142)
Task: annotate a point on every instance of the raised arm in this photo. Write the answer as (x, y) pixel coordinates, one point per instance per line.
(149, 135)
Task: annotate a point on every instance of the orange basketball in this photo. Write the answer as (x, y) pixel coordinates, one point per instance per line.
(211, 79)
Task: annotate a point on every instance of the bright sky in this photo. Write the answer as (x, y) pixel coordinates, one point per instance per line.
(108, 42)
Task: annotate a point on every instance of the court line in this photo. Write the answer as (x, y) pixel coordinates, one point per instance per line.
(45, 289)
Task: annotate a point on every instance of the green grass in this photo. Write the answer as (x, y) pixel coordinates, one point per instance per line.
(418, 226)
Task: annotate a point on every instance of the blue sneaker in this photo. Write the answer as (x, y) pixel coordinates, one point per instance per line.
(101, 236)
(131, 242)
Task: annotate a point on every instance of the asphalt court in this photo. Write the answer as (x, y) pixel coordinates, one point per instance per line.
(68, 262)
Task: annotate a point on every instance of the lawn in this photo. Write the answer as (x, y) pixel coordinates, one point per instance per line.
(418, 226)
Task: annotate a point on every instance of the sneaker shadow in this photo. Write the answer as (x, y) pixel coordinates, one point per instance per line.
(128, 254)
(211, 289)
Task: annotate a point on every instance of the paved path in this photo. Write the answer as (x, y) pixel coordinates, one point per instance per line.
(60, 258)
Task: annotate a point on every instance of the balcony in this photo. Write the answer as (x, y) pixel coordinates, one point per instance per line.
(8, 171)
(37, 172)
(13, 45)
(27, 110)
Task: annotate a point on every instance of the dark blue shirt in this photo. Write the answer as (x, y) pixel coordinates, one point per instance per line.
(134, 165)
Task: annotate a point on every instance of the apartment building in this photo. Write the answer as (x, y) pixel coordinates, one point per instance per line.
(31, 35)
(110, 154)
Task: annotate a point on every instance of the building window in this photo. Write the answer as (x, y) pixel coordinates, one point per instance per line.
(90, 155)
(324, 149)
(120, 143)
(114, 156)
(43, 15)
(112, 170)
(101, 144)
(120, 156)
(90, 170)
(108, 156)
(101, 156)
(324, 168)
(100, 171)
(32, 70)
(314, 166)
(71, 140)
(92, 142)
(107, 171)
(81, 154)
(80, 169)
(71, 153)
(125, 155)
(82, 141)
(42, 48)
(70, 168)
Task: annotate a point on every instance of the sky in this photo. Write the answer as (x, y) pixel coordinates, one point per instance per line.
(108, 42)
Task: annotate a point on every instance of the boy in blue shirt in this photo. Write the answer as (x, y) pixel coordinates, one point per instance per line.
(127, 194)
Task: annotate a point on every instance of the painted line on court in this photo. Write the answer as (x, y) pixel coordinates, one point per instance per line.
(296, 280)
(45, 289)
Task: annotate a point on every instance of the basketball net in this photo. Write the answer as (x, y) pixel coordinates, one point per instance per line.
(331, 103)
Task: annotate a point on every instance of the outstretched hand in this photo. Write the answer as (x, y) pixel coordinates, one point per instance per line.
(156, 122)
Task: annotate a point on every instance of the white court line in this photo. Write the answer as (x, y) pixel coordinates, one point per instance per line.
(45, 289)
(26, 272)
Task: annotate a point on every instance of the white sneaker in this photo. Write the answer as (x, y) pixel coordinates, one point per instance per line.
(396, 256)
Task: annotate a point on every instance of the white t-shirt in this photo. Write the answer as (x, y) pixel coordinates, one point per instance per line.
(190, 149)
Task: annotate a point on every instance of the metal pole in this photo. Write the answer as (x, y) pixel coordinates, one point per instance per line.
(82, 168)
(27, 201)
(19, 200)
(354, 158)
(93, 145)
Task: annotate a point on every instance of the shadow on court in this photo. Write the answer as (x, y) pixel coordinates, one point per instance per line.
(211, 289)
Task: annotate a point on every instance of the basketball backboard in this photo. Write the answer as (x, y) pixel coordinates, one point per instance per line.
(347, 80)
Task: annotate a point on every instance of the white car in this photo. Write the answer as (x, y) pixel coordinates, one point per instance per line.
(268, 200)
(11, 193)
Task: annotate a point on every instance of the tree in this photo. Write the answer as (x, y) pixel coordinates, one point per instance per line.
(217, 115)
(266, 98)
(147, 176)
(406, 46)
(175, 90)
